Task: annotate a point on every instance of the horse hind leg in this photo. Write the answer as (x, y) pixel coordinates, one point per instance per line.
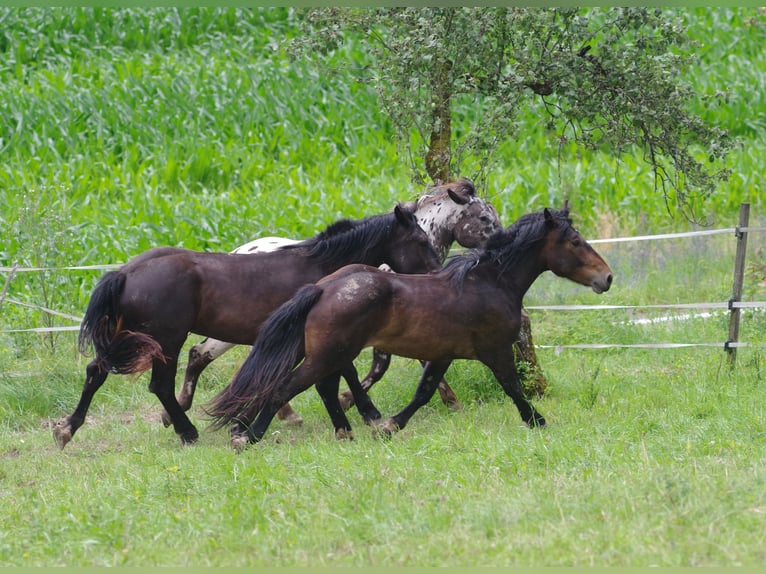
(162, 384)
(356, 395)
(328, 391)
(243, 432)
(380, 363)
(64, 429)
(200, 356)
(300, 380)
(363, 402)
(448, 396)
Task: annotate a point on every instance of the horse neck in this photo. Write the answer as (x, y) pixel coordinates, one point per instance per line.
(517, 280)
(374, 257)
(438, 227)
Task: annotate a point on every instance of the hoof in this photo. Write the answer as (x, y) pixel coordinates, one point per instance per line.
(239, 442)
(455, 406)
(346, 400)
(165, 417)
(293, 420)
(372, 418)
(189, 437)
(62, 432)
(343, 434)
(536, 421)
(386, 428)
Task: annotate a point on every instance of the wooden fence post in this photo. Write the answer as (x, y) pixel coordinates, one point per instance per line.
(739, 276)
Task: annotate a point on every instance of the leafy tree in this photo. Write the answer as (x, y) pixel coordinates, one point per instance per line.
(604, 78)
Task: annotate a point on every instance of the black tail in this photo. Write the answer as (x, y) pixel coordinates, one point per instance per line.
(117, 350)
(277, 350)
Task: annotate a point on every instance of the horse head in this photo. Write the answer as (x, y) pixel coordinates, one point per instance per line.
(409, 248)
(452, 212)
(567, 254)
(475, 222)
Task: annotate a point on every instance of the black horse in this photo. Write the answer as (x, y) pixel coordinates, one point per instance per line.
(139, 316)
(469, 310)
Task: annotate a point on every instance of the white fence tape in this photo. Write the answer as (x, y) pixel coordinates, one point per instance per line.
(701, 232)
(724, 345)
(719, 305)
(664, 236)
(42, 329)
(43, 309)
(704, 232)
(67, 268)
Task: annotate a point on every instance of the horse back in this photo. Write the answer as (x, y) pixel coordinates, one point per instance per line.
(416, 316)
(220, 295)
(153, 253)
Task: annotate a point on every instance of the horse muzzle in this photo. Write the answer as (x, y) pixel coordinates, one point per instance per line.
(601, 284)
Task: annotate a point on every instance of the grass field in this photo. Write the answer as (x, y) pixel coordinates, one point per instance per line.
(122, 130)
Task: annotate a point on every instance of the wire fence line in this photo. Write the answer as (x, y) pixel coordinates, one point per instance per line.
(725, 345)
(728, 305)
(698, 233)
(105, 267)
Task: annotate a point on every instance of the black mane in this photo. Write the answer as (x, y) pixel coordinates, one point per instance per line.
(506, 247)
(346, 240)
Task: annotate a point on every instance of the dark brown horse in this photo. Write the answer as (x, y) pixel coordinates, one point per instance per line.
(139, 316)
(448, 213)
(469, 310)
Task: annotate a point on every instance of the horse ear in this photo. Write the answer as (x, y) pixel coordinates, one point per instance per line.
(403, 216)
(565, 209)
(457, 198)
(548, 217)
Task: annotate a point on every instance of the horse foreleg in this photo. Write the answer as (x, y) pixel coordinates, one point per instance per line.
(508, 378)
(380, 364)
(448, 396)
(64, 429)
(432, 374)
(288, 416)
(200, 356)
(161, 384)
(446, 393)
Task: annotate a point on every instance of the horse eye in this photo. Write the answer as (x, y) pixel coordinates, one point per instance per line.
(575, 243)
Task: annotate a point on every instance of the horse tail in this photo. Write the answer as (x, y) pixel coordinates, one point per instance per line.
(118, 350)
(280, 346)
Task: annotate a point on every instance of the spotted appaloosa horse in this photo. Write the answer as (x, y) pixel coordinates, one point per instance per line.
(469, 310)
(448, 213)
(139, 316)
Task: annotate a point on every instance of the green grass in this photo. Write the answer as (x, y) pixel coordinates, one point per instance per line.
(123, 130)
(629, 472)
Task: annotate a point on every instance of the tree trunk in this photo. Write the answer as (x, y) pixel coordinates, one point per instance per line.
(437, 163)
(528, 368)
(439, 153)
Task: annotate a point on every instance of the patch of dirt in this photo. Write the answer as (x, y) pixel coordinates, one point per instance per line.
(13, 453)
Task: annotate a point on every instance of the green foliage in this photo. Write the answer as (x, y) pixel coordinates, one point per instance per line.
(112, 146)
(607, 79)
